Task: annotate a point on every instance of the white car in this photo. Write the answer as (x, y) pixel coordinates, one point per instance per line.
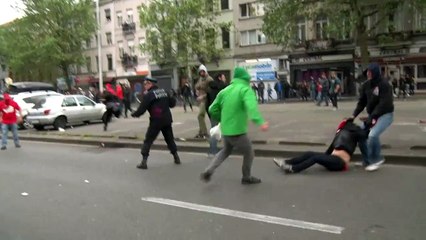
(26, 101)
(63, 110)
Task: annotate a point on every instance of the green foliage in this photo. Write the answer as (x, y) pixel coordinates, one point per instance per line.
(180, 31)
(49, 38)
(346, 17)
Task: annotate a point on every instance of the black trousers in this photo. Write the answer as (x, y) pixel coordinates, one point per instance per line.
(151, 135)
(330, 162)
(107, 117)
(333, 98)
(127, 107)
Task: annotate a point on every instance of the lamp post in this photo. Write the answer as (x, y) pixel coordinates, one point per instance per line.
(98, 19)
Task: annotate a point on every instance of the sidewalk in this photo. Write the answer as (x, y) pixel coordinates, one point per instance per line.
(294, 128)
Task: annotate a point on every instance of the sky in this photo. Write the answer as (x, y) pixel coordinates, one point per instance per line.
(7, 12)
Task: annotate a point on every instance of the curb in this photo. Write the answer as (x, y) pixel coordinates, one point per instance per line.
(110, 143)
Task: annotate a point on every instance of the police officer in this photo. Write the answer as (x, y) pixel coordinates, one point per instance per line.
(158, 103)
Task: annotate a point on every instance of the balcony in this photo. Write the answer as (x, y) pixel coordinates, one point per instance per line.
(129, 61)
(128, 28)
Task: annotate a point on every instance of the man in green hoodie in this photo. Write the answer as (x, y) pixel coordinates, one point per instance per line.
(233, 107)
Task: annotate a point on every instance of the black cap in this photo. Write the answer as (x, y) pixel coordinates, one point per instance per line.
(153, 80)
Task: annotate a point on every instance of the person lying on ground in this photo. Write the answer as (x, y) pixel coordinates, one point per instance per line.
(337, 156)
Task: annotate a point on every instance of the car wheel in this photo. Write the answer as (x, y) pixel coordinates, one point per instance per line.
(60, 122)
(39, 127)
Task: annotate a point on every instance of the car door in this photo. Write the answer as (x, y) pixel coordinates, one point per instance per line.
(88, 109)
(71, 109)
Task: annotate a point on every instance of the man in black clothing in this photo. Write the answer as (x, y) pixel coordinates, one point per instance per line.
(377, 97)
(337, 156)
(158, 103)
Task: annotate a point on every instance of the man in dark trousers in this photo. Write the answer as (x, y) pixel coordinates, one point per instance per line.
(158, 103)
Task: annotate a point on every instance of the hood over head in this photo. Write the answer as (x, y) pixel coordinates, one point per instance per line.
(241, 73)
(202, 68)
(375, 71)
(7, 98)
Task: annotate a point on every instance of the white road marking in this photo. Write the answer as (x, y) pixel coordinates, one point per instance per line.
(246, 215)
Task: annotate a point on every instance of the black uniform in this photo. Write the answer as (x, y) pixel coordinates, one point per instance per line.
(158, 103)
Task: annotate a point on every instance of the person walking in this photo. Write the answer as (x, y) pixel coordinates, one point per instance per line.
(376, 96)
(186, 93)
(215, 87)
(261, 92)
(233, 107)
(112, 104)
(325, 88)
(9, 120)
(278, 87)
(202, 87)
(313, 91)
(335, 86)
(158, 103)
(127, 99)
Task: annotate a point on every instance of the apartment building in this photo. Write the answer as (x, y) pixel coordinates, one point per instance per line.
(4, 73)
(120, 39)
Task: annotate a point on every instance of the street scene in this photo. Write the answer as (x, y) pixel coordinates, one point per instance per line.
(208, 119)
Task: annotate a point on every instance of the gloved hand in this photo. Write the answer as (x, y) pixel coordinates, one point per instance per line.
(349, 119)
(370, 122)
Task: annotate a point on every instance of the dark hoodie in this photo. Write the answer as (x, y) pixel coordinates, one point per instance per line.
(347, 137)
(214, 87)
(375, 95)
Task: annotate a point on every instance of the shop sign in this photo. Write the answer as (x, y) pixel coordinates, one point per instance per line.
(260, 71)
(307, 59)
(393, 52)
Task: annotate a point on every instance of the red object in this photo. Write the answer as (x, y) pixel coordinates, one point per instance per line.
(46, 112)
(110, 89)
(119, 92)
(341, 125)
(8, 108)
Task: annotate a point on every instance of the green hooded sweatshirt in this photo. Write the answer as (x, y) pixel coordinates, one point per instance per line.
(235, 105)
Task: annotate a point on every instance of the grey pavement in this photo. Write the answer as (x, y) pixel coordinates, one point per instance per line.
(61, 204)
(292, 126)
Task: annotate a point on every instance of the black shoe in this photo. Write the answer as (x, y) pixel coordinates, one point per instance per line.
(251, 180)
(177, 159)
(17, 145)
(3, 148)
(142, 165)
(205, 176)
(105, 128)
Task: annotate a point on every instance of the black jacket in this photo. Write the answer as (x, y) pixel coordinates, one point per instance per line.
(158, 103)
(347, 138)
(375, 95)
(214, 88)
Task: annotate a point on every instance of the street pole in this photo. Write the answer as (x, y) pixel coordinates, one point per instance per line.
(98, 19)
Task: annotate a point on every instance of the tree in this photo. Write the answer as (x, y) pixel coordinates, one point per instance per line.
(180, 32)
(345, 17)
(49, 37)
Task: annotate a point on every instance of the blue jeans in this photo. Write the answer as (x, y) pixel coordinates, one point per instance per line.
(371, 147)
(213, 142)
(5, 131)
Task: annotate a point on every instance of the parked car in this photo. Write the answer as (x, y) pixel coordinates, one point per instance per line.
(19, 87)
(27, 100)
(63, 110)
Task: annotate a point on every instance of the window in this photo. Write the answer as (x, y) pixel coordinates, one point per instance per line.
(301, 31)
(69, 102)
(89, 64)
(88, 43)
(109, 38)
(119, 18)
(320, 28)
(129, 16)
(421, 71)
(252, 37)
(131, 46)
(251, 10)
(109, 59)
(84, 101)
(224, 4)
(225, 38)
(108, 14)
(120, 48)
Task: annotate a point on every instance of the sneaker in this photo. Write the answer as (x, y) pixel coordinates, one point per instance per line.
(205, 176)
(250, 180)
(278, 162)
(17, 145)
(3, 148)
(380, 162)
(372, 167)
(142, 165)
(176, 158)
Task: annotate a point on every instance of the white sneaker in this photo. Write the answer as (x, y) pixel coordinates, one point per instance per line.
(380, 162)
(278, 162)
(372, 167)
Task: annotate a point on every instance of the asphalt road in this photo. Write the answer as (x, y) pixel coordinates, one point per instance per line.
(79, 192)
